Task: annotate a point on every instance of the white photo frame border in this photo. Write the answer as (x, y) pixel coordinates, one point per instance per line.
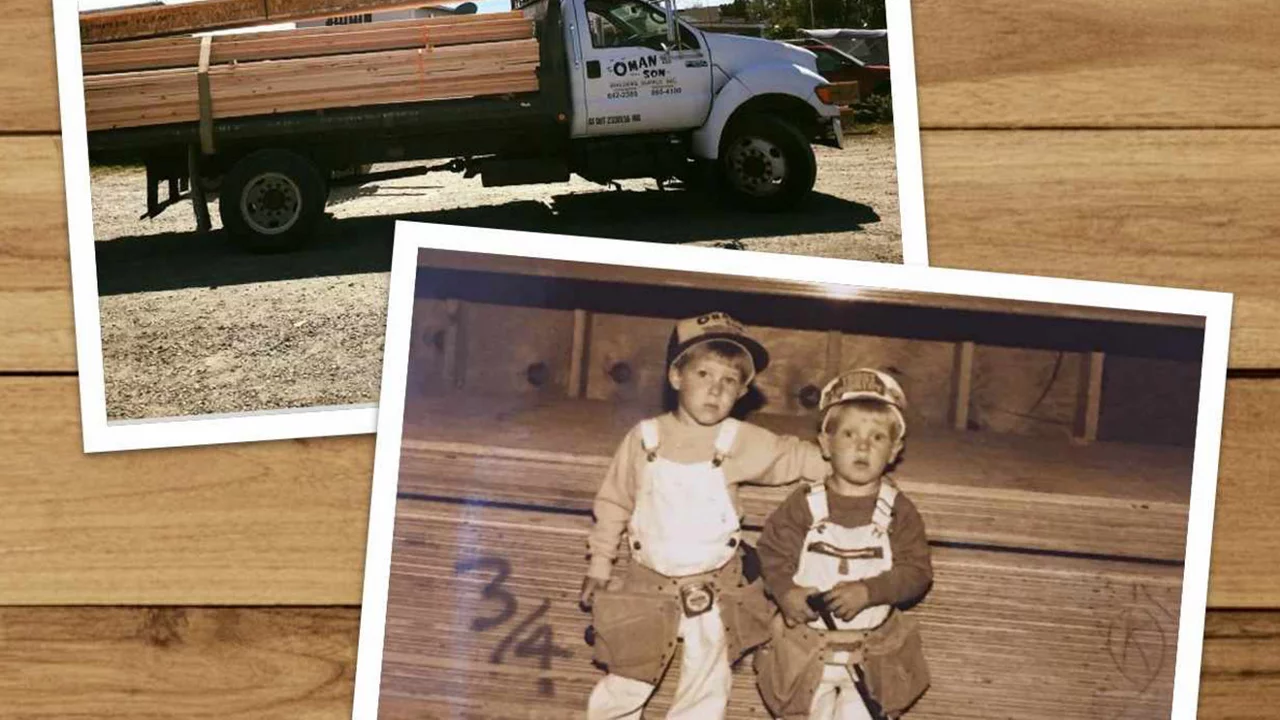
(103, 435)
(410, 238)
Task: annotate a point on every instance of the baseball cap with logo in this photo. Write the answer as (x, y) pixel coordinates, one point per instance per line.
(864, 384)
(717, 326)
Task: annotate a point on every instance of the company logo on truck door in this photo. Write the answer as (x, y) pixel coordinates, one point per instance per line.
(646, 66)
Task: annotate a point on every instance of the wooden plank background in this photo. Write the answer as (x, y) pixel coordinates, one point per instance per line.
(1131, 140)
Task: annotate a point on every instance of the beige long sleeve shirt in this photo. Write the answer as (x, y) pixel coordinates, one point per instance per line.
(758, 456)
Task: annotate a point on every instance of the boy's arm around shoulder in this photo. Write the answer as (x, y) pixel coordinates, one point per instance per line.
(614, 503)
(912, 570)
(765, 458)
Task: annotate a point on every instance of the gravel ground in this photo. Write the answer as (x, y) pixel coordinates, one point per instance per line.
(192, 326)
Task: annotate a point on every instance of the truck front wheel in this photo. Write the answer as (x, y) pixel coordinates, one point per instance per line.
(270, 200)
(767, 164)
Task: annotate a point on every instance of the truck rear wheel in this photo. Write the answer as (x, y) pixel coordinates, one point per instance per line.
(767, 164)
(270, 200)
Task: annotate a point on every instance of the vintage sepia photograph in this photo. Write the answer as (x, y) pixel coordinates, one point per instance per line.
(664, 481)
(235, 168)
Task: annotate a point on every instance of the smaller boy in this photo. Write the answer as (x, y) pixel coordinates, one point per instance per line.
(672, 489)
(839, 558)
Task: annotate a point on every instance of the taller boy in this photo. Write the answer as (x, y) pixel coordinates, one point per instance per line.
(673, 488)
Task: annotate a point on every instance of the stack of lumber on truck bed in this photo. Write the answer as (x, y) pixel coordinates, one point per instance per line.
(156, 81)
(150, 21)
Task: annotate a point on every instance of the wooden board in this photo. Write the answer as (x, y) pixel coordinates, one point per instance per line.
(1113, 207)
(139, 22)
(972, 488)
(35, 276)
(1097, 63)
(133, 22)
(1088, 639)
(299, 663)
(234, 663)
(234, 524)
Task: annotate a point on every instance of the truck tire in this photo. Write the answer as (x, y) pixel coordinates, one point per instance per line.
(766, 164)
(270, 200)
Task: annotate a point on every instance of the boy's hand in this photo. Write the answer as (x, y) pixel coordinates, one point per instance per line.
(589, 587)
(847, 599)
(795, 606)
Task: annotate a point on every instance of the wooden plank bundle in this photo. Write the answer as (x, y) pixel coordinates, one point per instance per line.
(159, 53)
(298, 70)
(157, 20)
(1060, 638)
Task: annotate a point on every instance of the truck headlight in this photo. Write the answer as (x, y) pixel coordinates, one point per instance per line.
(824, 94)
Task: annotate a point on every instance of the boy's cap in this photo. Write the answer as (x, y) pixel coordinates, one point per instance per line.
(717, 326)
(863, 384)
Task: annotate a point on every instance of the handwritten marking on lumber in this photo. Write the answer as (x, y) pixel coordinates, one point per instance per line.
(1138, 645)
(532, 637)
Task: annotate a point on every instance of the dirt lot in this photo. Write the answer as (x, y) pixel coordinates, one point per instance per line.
(192, 326)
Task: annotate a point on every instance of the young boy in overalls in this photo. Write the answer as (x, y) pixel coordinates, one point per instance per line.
(839, 557)
(672, 488)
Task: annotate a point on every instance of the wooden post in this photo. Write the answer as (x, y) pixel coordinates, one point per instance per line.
(1089, 398)
(962, 385)
(835, 347)
(455, 358)
(577, 385)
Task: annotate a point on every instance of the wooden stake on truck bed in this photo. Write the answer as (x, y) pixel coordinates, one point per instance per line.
(206, 102)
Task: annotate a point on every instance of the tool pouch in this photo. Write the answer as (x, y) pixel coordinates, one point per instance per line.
(789, 669)
(635, 633)
(893, 666)
(746, 613)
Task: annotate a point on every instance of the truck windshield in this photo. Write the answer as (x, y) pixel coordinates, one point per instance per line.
(619, 23)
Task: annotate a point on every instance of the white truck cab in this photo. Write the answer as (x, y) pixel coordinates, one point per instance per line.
(751, 106)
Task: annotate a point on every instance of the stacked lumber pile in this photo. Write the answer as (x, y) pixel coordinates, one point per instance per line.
(483, 622)
(153, 20)
(156, 81)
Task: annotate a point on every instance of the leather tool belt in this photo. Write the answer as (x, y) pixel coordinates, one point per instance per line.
(888, 659)
(637, 622)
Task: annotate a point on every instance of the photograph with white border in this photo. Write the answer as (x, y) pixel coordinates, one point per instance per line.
(234, 171)
(569, 432)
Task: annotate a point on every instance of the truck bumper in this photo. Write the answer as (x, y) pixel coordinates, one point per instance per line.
(830, 133)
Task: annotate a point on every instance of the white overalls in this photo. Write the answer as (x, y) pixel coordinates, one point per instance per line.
(684, 523)
(833, 554)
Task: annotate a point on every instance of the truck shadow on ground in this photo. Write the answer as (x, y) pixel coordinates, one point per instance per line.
(349, 246)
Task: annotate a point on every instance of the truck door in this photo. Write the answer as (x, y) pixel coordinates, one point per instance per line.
(632, 82)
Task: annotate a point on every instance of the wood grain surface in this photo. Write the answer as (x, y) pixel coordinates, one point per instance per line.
(1129, 140)
(299, 663)
(1055, 620)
